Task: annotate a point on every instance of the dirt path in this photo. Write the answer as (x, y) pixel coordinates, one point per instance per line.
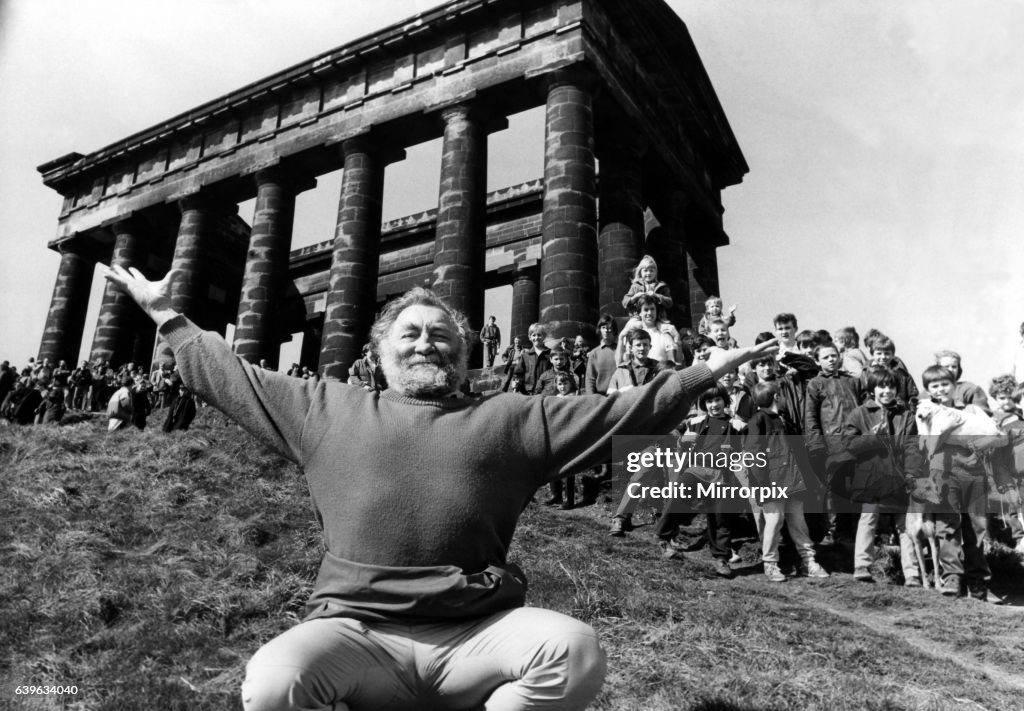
(886, 624)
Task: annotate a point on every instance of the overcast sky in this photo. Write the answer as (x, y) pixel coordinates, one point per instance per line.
(884, 139)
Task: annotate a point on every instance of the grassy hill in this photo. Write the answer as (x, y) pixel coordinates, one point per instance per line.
(146, 568)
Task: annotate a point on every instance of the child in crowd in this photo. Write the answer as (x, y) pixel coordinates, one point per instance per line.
(964, 393)
(740, 404)
(639, 370)
(713, 312)
(883, 355)
(830, 398)
(718, 331)
(560, 365)
(770, 434)
(806, 342)
(533, 362)
(645, 283)
(711, 431)
(881, 436)
(563, 491)
(854, 361)
(960, 518)
(702, 347)
(1006, 394)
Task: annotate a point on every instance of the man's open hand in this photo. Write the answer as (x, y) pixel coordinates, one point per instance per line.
(153, 297)
(723, 361)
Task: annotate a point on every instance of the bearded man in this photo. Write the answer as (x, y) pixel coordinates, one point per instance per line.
(418, 491)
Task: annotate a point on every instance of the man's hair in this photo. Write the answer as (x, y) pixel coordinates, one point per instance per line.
(935, 373)
(558, 350)
(882, 377)
(823, 336)
(784, 318)
(948, 354)
(762, 337)
(847, 337)
(608, 319)
(417, 295)
(764, 393)
(881, 342)
(645, 300)
(702, 341)
(640, 333)
(711, 393)
(1005, 385)
(537, 328)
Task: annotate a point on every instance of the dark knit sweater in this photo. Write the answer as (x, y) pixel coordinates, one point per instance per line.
(419, 499)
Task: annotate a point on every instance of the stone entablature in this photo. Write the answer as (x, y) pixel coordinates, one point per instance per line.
(621, 85)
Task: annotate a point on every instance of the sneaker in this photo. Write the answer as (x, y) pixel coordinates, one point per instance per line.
(951, 586)
(813, 569)
(772, 572)
(863, 574)
(912, 583)
(735, 557)
(721, 567)
(620, 524)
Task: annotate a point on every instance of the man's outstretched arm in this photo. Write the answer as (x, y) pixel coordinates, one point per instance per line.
(270, 405)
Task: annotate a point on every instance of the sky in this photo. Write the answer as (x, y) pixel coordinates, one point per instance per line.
(885, 141)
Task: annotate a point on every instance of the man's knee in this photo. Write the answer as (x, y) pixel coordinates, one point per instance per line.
(567, 670)
(271, 685)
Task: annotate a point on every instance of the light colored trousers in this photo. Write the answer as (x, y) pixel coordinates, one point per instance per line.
(525, 658)
(864, 543)
(777, 512)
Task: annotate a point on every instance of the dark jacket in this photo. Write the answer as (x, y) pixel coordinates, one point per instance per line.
(883, 443)
(773, 435)
(534, 365)
(829, 401)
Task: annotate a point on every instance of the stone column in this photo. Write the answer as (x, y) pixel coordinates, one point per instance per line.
(266, 268)
(525, 301)
(189, 288)
(667, 244)
(352, 292)
(621, 237)
(568, 269)
(461, 235)
(62, 335)
(119, 318)
(702, 261)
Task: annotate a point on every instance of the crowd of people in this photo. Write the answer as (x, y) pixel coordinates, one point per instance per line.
(42, 393)
(848, 405)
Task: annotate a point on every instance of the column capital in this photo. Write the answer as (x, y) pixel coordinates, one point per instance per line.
(295, 180)
(578, 75)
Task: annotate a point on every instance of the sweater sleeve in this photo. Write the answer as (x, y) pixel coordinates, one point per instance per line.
(577, 432)
(270, 405)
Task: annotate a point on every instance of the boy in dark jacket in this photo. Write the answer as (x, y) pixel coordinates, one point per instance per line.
(770, 434)
(881, 435)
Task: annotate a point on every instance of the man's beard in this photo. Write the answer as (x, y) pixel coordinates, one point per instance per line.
(423, 377)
